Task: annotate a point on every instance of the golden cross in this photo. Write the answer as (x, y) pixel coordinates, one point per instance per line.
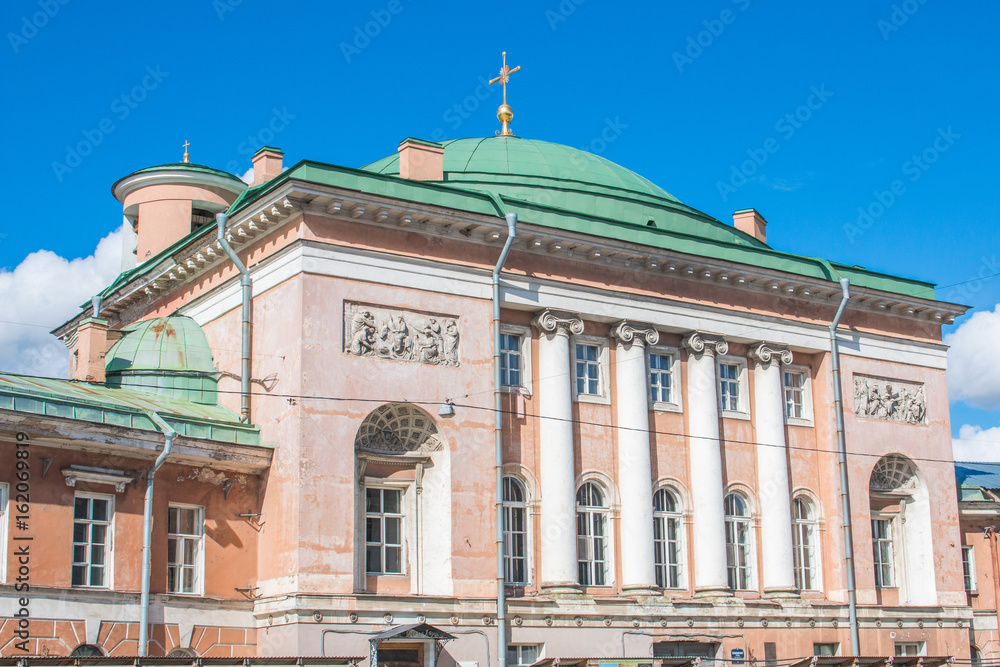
(505, 73)
(505, 113)
(186, 144)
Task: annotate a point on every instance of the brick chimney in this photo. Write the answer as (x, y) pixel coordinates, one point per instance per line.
(753, 223)
(266, 164)
(91, 346)
(421, 160)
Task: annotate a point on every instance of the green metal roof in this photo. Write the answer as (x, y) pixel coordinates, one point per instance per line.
(162, 344)
(121, 407)
(972, 478)
(182, 166)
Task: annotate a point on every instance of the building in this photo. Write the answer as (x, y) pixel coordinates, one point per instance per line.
(670, 478)
(979, 516)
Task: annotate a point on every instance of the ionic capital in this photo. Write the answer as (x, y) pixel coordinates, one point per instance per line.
(764, 354)
(558, 322)
(626, 333)
(699, 343)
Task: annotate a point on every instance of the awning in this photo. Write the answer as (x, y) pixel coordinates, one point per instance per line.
(413, 631)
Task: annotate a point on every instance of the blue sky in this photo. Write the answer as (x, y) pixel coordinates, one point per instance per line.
(807, 112)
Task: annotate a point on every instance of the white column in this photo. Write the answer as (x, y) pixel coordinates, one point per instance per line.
(635, 474)
(772, 468)
(706, 463)
(555, 438)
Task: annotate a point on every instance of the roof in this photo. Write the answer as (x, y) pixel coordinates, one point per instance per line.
(179, 166)
(972, 478)
(121, 407)
(420, 628)
(162, 344)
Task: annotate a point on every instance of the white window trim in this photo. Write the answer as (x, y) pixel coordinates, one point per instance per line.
(610, 506)
(540, 647)
(200, 509)
(973, 588)
(683, 581)
(895, 542)
(4, 522)
(408, 521)
(528, 547)
(109, 568)
(604, 395)
(744, 384)
(807, 406)
(676, 405)
(817, 561)
(751, 520)
(921, 647)
(525, 333)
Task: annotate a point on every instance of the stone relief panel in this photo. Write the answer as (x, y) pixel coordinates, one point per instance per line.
(889, 400)
(406, 335)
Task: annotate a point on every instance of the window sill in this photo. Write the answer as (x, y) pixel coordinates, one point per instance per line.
(735, 414)
(798, 421)
(597, 399)
(516, 389)
(667, 407)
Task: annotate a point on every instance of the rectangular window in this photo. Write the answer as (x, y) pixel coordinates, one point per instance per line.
(909, 648)
(882, 553)
(729, 386)
(185, 533)
(969, 569)
(588, 369)
(92, 541)
(667, 550)
(661, 378)
(795, 382)
(3, 532)
(826, 649)
(511, 360)
(522, 655)
(384, 531)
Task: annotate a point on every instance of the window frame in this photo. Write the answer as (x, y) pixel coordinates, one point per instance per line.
(199, 588)
(662, 569)
(921, 648)
(814, 561)
(403, 545)
(733, 547)
(518, 648)
(589, 515)
(509, 507)
(524, 387)
(676, 403)
(4, 523)
(743, 384)
(890, 522)
(109, 546)
(969, 570)
(806, 390)
(603, 395)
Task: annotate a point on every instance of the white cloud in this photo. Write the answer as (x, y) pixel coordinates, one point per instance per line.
(248, 176)
(977, 444)
(42, 292)
(974, 361)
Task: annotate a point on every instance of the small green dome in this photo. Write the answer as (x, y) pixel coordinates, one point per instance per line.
(166, 355)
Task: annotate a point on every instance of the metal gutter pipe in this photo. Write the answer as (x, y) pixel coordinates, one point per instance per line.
(147, 528)
(845, 492)
(498, 442)
(220, 220)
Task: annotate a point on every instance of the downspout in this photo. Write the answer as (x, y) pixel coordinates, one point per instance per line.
(147, 528)
(221, 219)
(845, 494)
(990, 533)
(498, 442)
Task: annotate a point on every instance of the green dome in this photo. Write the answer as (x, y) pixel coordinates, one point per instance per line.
(166, 355)
(567, 179)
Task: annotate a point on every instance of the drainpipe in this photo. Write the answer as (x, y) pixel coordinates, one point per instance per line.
(990, 533)
(845, 495)
(498, 442)
(147, 528)
(220, 220)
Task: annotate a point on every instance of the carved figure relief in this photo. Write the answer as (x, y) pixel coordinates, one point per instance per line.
(889, 400)
(370, 331)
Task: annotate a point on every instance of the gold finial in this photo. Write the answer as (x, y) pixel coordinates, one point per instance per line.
(186, 144)
(505, 113)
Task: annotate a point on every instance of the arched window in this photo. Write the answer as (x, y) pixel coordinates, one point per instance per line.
(87, 651)
(182, 652)
(668, 543)
(515, 531)
(591, 535)
(739, 543)
(805, 539)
